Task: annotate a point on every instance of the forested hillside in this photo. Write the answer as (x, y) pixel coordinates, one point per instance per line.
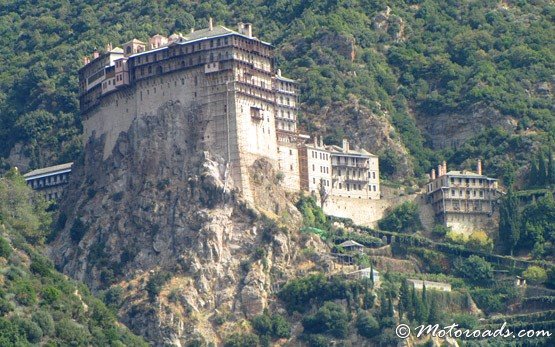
(39, 305)
(456, 79)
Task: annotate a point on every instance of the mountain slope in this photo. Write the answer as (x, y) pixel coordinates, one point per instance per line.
(439, 72)
(38, 305)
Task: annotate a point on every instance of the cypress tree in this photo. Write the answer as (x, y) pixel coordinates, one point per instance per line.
(542, 170)
(433, 317)
(425, 309)
(534, 173)
(509, 221)
(405, 300)
(551, 170)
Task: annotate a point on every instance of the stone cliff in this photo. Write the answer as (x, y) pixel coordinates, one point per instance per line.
(157, 219)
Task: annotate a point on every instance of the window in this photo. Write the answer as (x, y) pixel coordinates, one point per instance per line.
(313, 167)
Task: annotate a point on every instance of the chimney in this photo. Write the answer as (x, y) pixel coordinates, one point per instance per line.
(95, 54)
(444, 167)
(192, 30)
(86, 60)
(479, 167)
(345, 145)
(109, 47)
(248, 28)
(315, 140)
(321, 141)
(433, 174)
(210, 24)
(439, 170)
(279, 72)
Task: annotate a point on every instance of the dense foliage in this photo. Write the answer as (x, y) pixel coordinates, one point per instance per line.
(38, 305)
(403, 218)
(423, 56)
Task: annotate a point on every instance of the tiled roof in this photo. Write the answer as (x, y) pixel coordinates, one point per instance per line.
(48, 170)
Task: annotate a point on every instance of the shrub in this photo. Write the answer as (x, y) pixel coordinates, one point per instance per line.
(44, 321)
(403, 218)
(41, 266)
(367, 325)
(440, 230)
(275, 326)
(262, 324)
(535, 275)
(331, 319)
(113, 297)
(50, 294)
(313, 215)
(281, 328)
(242, 340)
(314, 340)
(25, 293)
(32, 331)
(78, 230)
(155, 284)
(5, 248)
(72, 333)
(475, 268)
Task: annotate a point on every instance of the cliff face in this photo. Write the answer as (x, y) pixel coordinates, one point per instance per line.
(157, 219)
(447, 130)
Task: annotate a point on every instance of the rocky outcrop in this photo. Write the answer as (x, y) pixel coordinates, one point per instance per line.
(155, 219)
(448, 130)
(367, 129)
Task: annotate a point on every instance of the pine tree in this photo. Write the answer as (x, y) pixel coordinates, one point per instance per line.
(551, 170)
(542, 170)
(509, 221)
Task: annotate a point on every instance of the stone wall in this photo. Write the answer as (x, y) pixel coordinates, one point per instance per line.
(364, 212)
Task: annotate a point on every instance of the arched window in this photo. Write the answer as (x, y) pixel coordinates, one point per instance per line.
(128, 50)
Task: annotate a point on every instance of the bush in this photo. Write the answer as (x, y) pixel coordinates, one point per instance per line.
(78, 230)
(44, 321)
(535, 275)
(25, 293)
(41, 266)
(440, 230)
(242, 340)
(113, 297)
(329, 319)
(72, 333)
(478, 240)
(367, 325)
(313, 215)
(32, 331)
(475, 268)
(403, 218)
(300, 293)
(275, 326)
(5, 248)
(50, 294)
(155, 284)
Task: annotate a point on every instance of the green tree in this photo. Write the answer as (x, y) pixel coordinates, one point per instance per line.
(551, 170)
(475, 268)
(331, 319)
(535, 275)
(509, 222)
(403, 218)
(542, 170)
(367, 325)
